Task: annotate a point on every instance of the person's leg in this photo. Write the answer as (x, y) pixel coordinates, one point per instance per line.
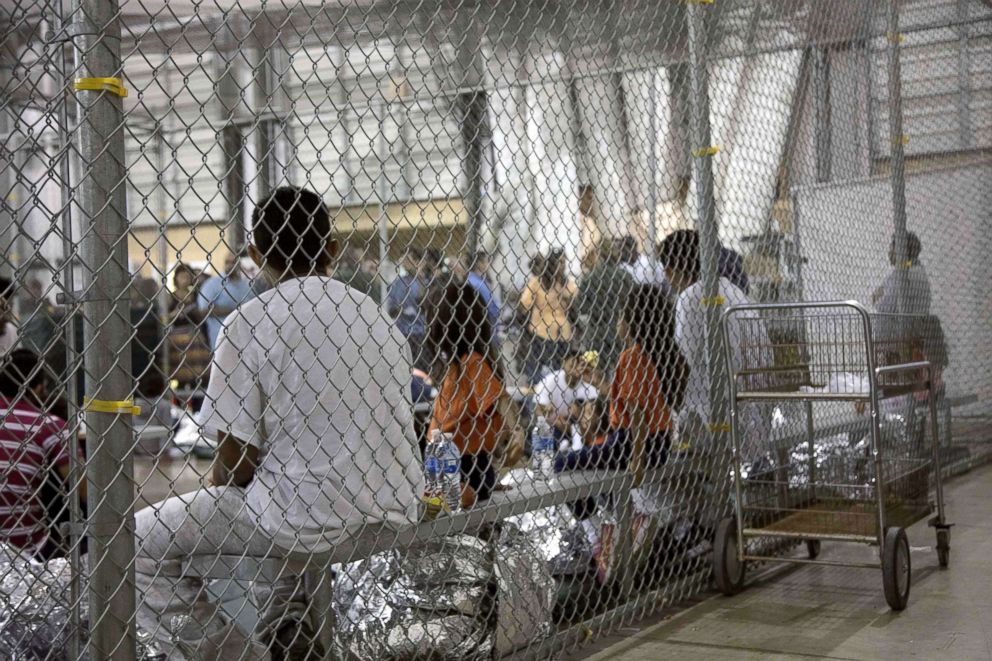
(478, 472)
(174, 609)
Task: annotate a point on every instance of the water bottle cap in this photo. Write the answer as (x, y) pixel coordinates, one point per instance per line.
(435, 435)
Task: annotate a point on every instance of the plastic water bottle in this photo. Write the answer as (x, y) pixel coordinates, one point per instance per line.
(543, 451)
(442, 472)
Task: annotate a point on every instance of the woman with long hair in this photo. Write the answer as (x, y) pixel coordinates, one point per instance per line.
(460, 334)
(546, 301)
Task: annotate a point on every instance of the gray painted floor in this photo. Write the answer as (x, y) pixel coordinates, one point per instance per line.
(839, 612)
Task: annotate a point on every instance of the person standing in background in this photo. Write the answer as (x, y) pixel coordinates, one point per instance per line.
(917, 283)
(680, 254)
(546, 301)
(222, 294)
(350, 271)
(405, 303)
(474, 270)
(602, 294)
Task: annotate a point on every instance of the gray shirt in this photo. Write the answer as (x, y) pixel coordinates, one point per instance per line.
(917, 291)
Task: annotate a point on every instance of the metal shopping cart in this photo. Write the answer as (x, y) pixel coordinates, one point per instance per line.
(831, 352)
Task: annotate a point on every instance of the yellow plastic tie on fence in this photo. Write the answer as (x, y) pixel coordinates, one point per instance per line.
(699, 2)
(901, 140)
(712, 301)
(719, 427)
(706, 151)
(895, 38)
(112, 85)
(125, 407)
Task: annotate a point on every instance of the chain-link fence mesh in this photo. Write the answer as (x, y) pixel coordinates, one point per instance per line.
(289, 284)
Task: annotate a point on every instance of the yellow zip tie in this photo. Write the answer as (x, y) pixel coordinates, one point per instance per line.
(907, 264)
(125, 407)
(901, 140)
(895, 38)
(112, 85)
(699, 2)
(706, 151)
(719, 427)
(712, 301)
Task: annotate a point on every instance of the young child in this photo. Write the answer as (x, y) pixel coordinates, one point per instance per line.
(650, 378)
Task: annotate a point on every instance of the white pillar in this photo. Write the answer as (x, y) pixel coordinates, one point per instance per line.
(601, 118)
(551, 162)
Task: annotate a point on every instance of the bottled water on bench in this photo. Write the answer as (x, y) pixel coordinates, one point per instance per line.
(442, 472)
(542, 442)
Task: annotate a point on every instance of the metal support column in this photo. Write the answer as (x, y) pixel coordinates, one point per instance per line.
(653, 166)
(703, 152)
(897, 140)
(474, 134)
(232, 108)
(823, 127)
(964, 76)
(101, 205)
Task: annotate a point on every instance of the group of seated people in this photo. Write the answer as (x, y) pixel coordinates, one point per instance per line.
(309, 403)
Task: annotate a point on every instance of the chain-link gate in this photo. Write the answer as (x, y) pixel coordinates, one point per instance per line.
(392, 329)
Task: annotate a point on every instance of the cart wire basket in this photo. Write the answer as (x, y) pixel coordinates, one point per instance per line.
(822, 352)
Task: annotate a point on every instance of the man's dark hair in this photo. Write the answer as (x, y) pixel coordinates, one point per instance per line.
(21, 370)
(680, 252)
(913, 246)
(291, 228)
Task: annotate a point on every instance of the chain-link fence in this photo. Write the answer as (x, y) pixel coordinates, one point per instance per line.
(391, 329)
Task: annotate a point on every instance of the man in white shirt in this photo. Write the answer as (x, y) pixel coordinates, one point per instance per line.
(309, 401)
(679, 252)
(559, 390)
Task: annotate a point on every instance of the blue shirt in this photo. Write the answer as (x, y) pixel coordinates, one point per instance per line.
(403, 303)
(223, 292)
(488, 297)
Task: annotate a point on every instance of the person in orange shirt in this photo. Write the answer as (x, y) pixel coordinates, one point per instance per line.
(467, 405)
(650, 377)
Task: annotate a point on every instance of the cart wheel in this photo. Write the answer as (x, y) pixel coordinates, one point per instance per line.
(943, 547)
(813, 548)
(896, 568)
(728, 570)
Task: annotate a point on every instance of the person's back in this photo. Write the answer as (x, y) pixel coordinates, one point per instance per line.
(917, 291)
(326, 418)
(602, 295)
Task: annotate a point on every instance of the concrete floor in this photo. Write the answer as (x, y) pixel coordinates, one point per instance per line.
(839, 612)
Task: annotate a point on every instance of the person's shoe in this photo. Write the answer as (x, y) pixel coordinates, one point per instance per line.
(295, 640)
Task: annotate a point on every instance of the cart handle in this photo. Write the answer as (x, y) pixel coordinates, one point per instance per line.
(905, 367)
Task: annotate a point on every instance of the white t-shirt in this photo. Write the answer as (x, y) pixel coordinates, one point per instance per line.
(8, 338)
(690, 335)
(313, 375)
(647, 271)
(553, 391)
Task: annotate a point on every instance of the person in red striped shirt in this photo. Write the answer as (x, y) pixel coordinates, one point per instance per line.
(32, 443)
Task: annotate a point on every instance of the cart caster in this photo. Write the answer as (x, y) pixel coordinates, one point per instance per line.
(943, 547)
(896, 570)
(813, 548)
(728, 570)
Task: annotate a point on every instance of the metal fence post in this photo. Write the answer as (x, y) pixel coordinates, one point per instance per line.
(897, 141)
(100, 196)
(706, 224)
